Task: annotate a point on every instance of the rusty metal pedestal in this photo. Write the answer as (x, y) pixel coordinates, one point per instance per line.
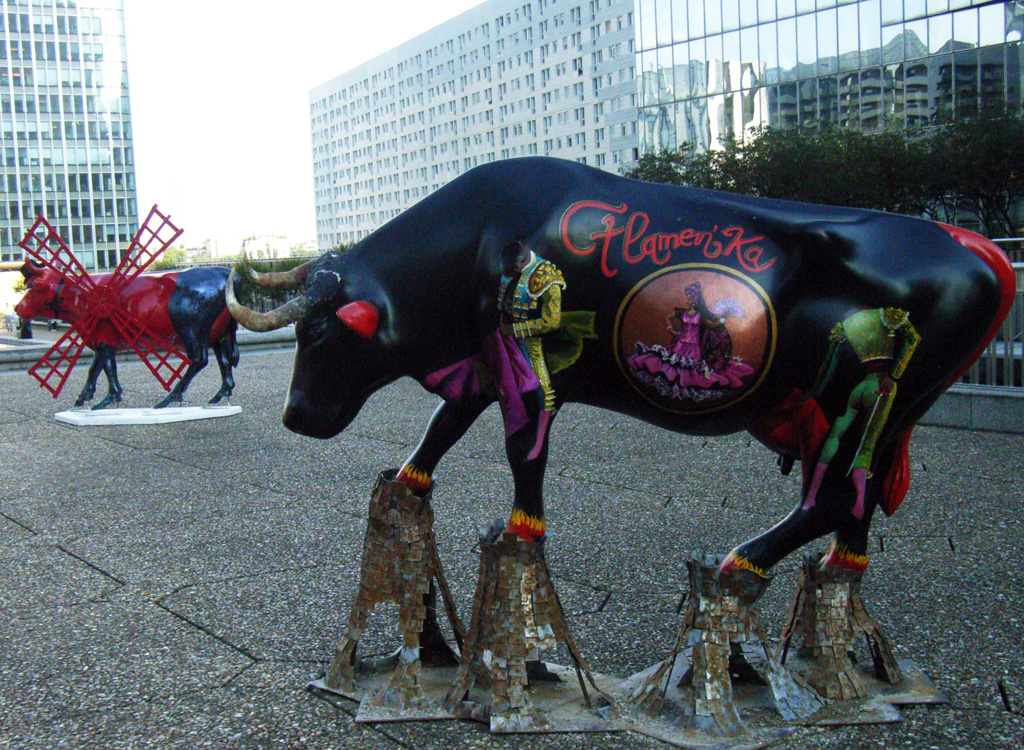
(400, 564)
(829, 614)
(719, 619)
(516, 617)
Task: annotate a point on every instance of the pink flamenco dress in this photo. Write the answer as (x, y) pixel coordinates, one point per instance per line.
(682, 370)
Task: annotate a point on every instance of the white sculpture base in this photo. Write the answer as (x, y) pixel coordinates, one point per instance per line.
(145, 416)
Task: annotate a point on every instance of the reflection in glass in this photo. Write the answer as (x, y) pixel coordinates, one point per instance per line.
(767, 44)
(731, 46)
(695, 18)
(1014, 21)
(1014, 73)
(828, 100)
(992, 24)
(849, 38)
(748, 45)
(730, 15)
(835, 63)
(680, 25)
(808, 103)
(712, 16)
(965, 83)
(749, 12)
(828, 45)
(917, 101)
(965, 26)
(940, 33)
(992, 69)
(913, 9)
(647, 28)
(787, 49)
(916, 39)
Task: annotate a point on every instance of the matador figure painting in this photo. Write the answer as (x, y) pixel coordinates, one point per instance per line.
(883, 340)
(530, 304)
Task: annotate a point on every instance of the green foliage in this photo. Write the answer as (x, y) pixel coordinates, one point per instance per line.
(19, 285)
(970, 166)
(169, 258)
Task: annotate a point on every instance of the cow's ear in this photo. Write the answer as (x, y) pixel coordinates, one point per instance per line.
(362, 317)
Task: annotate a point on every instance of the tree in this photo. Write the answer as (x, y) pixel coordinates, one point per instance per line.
(168, 259)
(980, 162)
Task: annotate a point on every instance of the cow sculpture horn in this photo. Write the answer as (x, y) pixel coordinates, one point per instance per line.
(30, 268)
(279, 317)
(278, 280)
(11, 265)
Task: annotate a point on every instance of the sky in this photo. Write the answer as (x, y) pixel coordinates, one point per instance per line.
(220, 103)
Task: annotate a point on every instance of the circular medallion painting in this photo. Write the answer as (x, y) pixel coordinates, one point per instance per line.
(695, 337)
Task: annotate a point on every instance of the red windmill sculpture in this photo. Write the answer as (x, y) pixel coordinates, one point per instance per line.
(105, 320)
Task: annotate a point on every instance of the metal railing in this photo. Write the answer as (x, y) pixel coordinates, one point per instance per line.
(1002, 363)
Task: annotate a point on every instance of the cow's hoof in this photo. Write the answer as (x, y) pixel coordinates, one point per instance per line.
(80, 401)
(104, 402)
(171, 399)
(220, 395)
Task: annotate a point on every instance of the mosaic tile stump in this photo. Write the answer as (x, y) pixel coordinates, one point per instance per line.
(517, 616)
(400, 564)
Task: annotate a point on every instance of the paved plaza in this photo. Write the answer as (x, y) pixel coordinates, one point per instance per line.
(177, 586)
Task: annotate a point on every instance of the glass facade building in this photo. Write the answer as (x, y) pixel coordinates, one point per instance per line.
(65, 127)
(713, 69)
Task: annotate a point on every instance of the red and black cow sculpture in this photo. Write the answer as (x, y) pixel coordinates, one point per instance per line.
(176, 309)
(825, 332)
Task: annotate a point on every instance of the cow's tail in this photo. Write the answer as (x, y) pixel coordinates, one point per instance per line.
(896, 480)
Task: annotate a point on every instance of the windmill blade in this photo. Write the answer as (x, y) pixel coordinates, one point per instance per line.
(154, 236)
(43, 245)
(53, 368)
(168, 362)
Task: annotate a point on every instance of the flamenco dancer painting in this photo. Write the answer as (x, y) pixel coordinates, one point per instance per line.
(698, 364)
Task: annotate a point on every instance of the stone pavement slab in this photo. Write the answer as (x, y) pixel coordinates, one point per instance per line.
(178, 585)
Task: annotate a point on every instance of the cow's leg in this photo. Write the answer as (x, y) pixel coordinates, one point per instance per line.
(447, 426)
(198, 354)
(106, 361)
(90, 381)
(528, 466)
(223, 350)
(801, 526)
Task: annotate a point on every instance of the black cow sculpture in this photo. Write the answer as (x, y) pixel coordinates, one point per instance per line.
(825, 332)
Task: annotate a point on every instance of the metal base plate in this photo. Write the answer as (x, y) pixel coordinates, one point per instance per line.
(756, 707)
(915, 689)
(557, 706)
(754, 703)
(83, 418)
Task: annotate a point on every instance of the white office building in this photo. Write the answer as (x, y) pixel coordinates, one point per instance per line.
(507, 78)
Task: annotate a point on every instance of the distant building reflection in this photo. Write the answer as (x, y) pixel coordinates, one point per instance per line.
(950, 64)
